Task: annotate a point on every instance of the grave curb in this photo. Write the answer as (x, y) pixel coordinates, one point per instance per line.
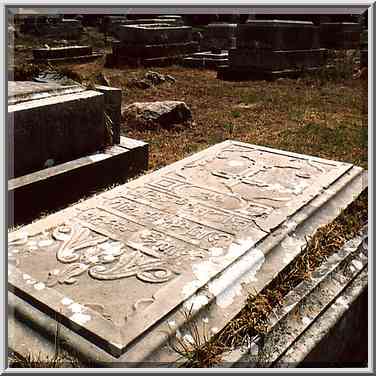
(96, 171)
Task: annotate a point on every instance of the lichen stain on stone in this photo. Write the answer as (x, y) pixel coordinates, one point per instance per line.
(228, 285)
(80, 318)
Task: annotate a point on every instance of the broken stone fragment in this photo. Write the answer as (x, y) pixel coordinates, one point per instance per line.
(149, 114)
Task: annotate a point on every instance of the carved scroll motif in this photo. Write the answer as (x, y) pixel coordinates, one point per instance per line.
(154, 257)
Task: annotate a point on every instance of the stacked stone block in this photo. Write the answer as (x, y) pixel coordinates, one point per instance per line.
(151, 44)
(275, 47)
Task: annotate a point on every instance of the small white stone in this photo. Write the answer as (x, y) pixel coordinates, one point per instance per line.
(39, 286)
(30, 281)
(205, 320)
(306, 320)
(55, 271)
(26, 276)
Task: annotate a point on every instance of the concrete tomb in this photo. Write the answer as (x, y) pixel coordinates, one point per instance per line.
(274, 48)
(64, 54)
(51, 127)
(151, 44)
(340, 35)
(117, 270)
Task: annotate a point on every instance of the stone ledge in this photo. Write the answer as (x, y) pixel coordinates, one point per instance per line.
(32, 194)
(74, 59)
(308, 328)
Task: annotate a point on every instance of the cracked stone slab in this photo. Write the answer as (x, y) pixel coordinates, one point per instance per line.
(128, 258)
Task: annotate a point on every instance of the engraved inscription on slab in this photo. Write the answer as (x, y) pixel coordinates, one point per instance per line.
(120, 253)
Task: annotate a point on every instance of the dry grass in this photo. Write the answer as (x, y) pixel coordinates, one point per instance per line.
(323, 115)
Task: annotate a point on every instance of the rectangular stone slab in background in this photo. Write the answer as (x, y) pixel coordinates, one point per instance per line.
(61, 52)
(154, 34)
(278, 35)
(23, 91)
(267, 60)
(60, 128)
(111, 267)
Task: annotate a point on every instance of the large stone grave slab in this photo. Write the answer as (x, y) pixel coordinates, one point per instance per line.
(116, 270)
(274, 48)
(151, 44)
(64, 54)
(153, 34)
(278, 35)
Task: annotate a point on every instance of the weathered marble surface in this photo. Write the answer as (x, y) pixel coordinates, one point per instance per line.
(114, 265)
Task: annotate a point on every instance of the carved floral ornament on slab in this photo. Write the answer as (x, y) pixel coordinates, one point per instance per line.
(84, 250)
(125, 237)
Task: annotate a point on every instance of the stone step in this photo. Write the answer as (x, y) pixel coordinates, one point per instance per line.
(203, 62)
(303, 307)
(72, 59)
(40, 192)
(61, 52)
